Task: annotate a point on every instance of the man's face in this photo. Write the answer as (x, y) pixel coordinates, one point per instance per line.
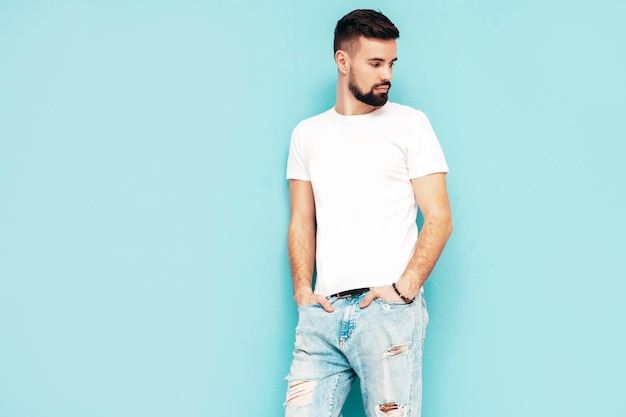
(371, 70)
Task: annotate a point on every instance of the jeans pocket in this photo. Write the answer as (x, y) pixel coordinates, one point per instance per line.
(392, 303)
(308, 306)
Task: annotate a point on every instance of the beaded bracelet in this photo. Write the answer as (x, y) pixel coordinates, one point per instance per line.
(405, 299)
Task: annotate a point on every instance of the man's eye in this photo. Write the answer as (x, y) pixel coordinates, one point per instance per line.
(376, 64)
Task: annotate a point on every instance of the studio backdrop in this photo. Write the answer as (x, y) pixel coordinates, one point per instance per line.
(144, 206)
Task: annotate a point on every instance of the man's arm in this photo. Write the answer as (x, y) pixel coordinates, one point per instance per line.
(301, 244)
(432, 196)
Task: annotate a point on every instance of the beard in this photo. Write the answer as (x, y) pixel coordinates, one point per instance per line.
(370, 98)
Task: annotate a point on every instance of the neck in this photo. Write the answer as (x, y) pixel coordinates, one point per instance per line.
(347, 105)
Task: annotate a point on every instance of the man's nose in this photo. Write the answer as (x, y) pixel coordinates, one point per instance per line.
(386, 73)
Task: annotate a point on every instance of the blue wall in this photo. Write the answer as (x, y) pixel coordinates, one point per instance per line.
(143, 206)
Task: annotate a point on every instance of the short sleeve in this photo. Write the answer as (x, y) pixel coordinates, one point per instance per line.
(424, 154)
(296, 169)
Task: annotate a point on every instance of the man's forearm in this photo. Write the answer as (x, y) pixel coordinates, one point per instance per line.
(430, 244)
(301, 248)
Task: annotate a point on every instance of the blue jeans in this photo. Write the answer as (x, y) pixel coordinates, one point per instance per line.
(381, 344)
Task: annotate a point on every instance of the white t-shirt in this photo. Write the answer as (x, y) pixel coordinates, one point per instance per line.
(360, 168)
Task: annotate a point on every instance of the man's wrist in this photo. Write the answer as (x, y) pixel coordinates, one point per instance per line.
(406, 299)
(302, 294)
(406, 288)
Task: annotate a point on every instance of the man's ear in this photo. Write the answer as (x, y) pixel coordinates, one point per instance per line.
(342, 59)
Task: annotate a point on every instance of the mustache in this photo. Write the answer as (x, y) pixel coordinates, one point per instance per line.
(385, 84)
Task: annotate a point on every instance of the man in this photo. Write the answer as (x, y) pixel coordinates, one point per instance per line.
(357, 174)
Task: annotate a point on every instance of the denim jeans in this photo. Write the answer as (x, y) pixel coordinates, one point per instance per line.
(381, 344)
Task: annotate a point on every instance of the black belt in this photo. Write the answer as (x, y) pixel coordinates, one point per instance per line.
(350, 293)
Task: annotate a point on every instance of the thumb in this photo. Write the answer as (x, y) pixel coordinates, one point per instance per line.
(367, 300)
(325, 304)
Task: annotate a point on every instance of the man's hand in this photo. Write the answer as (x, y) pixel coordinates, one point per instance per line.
(385, 292)
(305, 298)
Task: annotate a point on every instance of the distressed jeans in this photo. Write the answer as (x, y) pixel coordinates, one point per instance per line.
(381, 344)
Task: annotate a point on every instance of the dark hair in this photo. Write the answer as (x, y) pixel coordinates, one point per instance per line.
(363, 22)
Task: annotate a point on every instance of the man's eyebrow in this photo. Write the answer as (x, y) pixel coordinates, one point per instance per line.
(381, 60)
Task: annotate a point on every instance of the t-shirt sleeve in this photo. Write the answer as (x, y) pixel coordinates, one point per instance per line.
(296, 168)
(424, 154)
